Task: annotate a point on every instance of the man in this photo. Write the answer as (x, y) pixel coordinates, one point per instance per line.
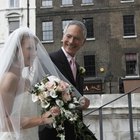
(74, 37)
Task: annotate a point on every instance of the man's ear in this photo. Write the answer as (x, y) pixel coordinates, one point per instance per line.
(84, 42)
(62, 39)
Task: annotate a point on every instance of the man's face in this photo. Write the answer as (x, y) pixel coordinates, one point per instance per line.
(73, 39)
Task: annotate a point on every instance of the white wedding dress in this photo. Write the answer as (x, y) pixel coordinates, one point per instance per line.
(25, 135)
(28, 109)
(29, 134)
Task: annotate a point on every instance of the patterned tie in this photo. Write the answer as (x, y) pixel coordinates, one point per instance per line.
(73, 67)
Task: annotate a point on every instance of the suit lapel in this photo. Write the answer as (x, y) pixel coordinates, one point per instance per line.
(66, 70)
(62, 63)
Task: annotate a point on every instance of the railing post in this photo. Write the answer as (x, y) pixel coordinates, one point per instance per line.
(130, 116)
(101, 123)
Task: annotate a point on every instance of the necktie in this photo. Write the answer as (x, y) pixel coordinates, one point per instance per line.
(73, 67)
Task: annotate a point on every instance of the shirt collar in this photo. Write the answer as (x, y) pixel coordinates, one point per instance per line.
(67, 55)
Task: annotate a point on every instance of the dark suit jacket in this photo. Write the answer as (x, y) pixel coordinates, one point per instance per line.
(62, 64)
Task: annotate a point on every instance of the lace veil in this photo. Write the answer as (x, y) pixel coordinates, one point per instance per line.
(16, 107)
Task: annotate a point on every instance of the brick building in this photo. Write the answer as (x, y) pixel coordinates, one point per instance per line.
(112, 49)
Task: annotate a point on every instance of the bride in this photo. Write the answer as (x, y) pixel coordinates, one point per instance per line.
(23, 62)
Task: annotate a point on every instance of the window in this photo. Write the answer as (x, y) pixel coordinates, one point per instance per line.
(129, 25)
(87, 1)
(47, 29)
(131, 64)
(65, 22)
(89, 25)
(124, 1)
(89, 63)
(67, 2)
(13, 3)
(14, 20)
(13, 24)
(47, 3)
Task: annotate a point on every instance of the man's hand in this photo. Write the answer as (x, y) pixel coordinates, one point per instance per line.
(84, 102)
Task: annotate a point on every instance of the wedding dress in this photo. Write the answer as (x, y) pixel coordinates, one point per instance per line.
(31, 134)
(25, 134)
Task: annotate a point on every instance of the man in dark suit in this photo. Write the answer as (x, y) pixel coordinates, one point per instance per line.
(73, 39)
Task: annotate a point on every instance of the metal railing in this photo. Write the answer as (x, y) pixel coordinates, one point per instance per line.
(129, 113)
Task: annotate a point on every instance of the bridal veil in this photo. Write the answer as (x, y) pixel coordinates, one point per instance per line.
(16, 108)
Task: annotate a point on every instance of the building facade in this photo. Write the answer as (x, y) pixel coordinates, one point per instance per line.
(111, 53)
(13, 14)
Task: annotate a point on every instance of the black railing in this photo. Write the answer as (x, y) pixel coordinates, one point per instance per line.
(129, 113)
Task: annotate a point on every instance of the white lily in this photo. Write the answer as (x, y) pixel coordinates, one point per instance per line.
(45, 104)
(53, 94)
(35, 98)
(53, 78)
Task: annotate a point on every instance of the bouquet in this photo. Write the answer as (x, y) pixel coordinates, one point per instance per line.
(53, 92)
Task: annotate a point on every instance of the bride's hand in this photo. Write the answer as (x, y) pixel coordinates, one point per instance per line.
(47, 118)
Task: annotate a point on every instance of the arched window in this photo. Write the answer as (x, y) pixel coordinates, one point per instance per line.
(13, 21)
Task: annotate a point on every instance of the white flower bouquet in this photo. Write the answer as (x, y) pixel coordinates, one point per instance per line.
(53, 92)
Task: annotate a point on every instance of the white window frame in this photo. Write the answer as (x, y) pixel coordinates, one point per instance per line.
(12, 16)
(126, 1)
(87, 2)
(14, 3)
(67, 3)
(48, 31)
(47, 3)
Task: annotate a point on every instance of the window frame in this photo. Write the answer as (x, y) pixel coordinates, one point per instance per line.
(129, 26)
(131, 60)
(67, 3)
(48, 31)
(87, 3)
(47, 5)
(126, 1)
(91, 68)
(13, 16)
(13, 21)
(14, 4)
(90, 29)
